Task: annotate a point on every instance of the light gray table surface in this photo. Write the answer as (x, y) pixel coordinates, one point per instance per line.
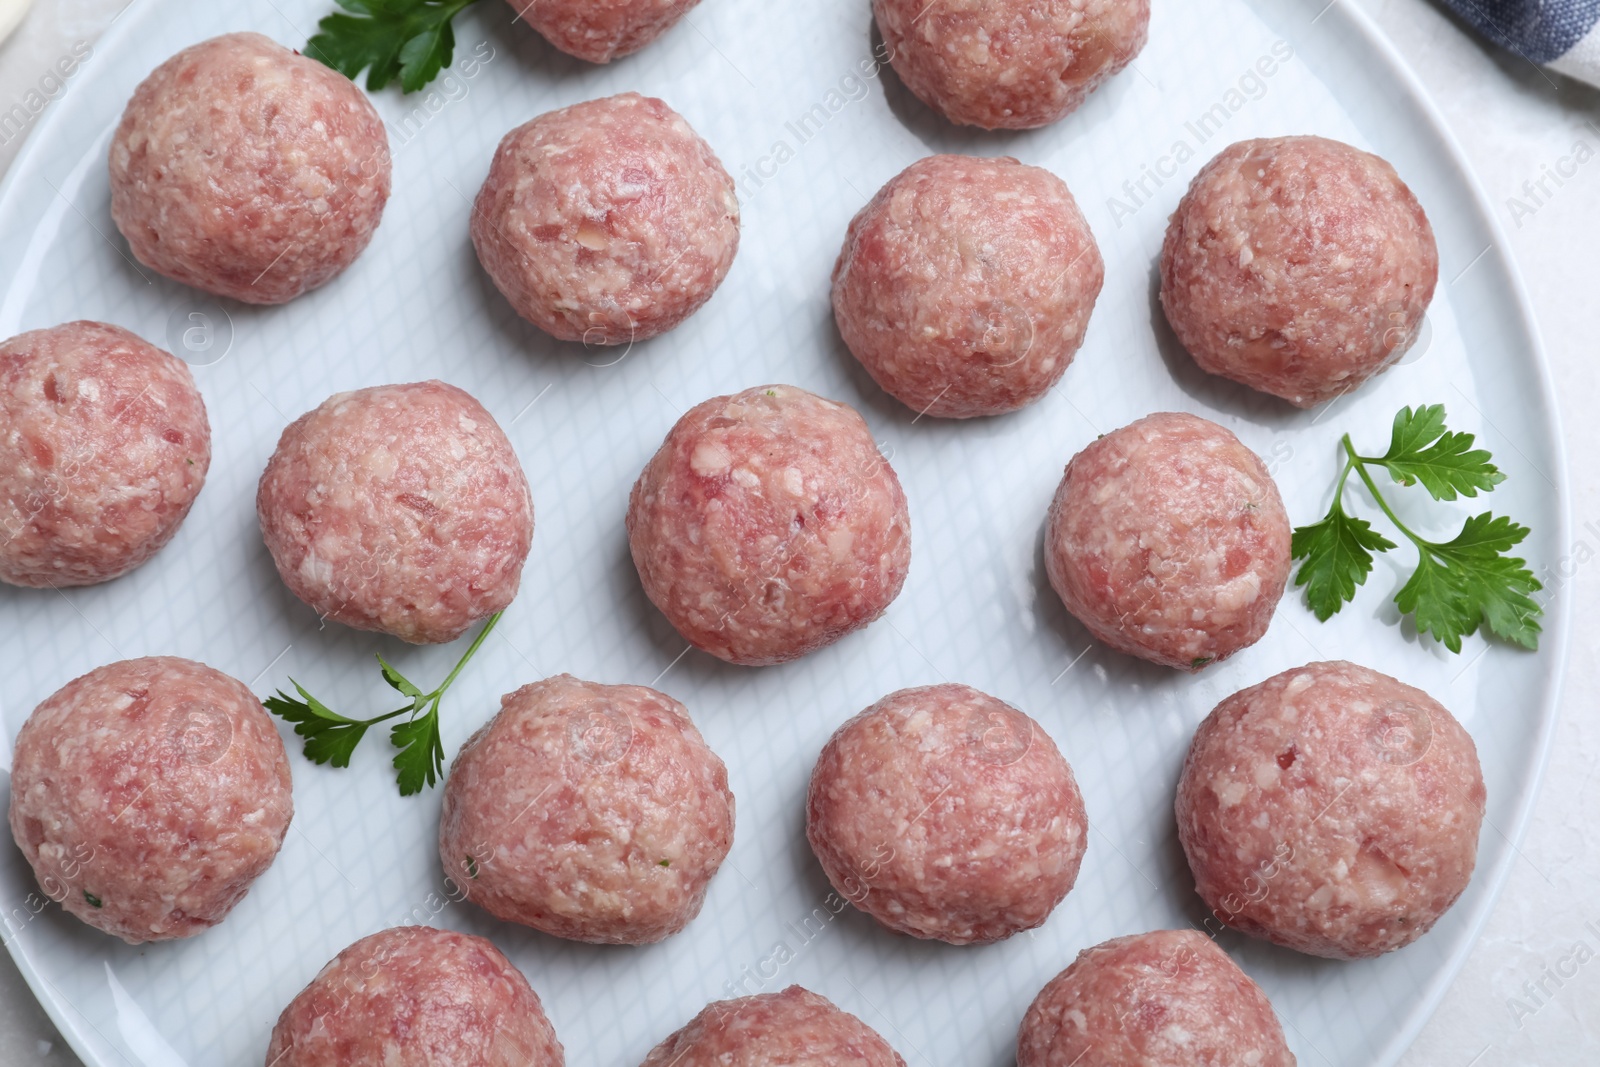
(1517, 123)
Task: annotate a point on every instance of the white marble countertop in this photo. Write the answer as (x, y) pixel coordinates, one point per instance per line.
(1528, 996)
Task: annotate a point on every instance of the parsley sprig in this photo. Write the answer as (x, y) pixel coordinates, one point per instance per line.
(331, 738)
(407, 39)
(1459, 584)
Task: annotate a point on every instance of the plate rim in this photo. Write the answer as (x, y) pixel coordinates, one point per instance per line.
(1557, 633)
(1559, 630)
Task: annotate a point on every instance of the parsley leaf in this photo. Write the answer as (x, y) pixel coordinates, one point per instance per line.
(1422, 450)
(1459, 585)
(331, 738)
(421, 755)
(397, 680)
(407, 39)
(1469, 580)
(1338, 557)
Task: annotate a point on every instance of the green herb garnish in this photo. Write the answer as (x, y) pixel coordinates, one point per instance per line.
(407, 39)
(94, 901)
(331, 738)
(1459, 584)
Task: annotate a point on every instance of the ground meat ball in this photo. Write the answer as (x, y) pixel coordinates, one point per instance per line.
(416, 997)
(248, 170)
(591, 812)
(945, 813)
(607, 222)
(1166, 999)
(965, 286)
(1331, 809)
(768, 525)
(602, 30)
(104, 445)
(399, 508)
(1167, 539)
(148, 795)
(1009, 64)
(1298, 266)
(794, 1027)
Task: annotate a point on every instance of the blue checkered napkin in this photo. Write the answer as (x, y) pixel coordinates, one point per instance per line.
(1562, 34)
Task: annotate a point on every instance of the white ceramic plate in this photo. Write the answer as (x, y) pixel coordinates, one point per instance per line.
(789, 96)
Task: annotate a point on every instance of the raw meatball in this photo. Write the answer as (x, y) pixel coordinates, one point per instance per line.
(1166, 999)
(592, 812)
(148, 795)
(1168, 541)
(965, 286)
(795, 1027)
(945, 813)
(248, 170)
(769, 525)
(1298, 266)
(602, 30)
(1009, 64)
(398, 508)
(104, 445)
(607, 222)
(414, 996)
(1331, 809)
